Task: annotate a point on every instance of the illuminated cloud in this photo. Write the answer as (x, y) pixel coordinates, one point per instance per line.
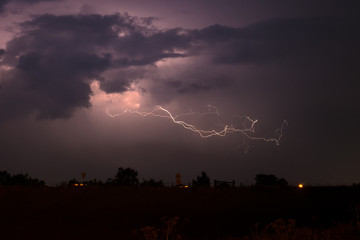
(56, 58)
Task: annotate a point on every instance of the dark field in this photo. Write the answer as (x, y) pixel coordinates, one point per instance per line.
(204, 213)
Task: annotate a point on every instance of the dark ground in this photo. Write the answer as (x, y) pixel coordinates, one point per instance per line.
(208, 213)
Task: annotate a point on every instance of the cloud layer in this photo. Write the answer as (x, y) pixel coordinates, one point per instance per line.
(48, 67)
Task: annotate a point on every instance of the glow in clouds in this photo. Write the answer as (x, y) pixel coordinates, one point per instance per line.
(128, 99)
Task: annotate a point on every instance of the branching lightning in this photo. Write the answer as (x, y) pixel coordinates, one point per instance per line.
(246, 132)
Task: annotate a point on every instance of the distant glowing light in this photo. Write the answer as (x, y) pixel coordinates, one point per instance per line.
(300, 185)
(79, 184)
(121, 34)
(175, 51)
(246, 132)
(168, 63)
(6, 67)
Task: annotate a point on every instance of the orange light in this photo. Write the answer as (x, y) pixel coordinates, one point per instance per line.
(186, 186)
(300, 185)
(81, 184)
(75, 184)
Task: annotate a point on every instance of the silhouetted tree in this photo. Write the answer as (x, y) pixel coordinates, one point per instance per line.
(152, 183)
(94, 182)
(5, 178)
(269, 180)
(203, 180)
(19, 179)
(124, 177)
(282, 182)
(109, 181)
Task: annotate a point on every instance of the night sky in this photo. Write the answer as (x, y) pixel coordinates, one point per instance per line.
(65, 64)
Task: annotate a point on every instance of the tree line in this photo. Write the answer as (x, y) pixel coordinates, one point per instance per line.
(129, 177)
(19, 179)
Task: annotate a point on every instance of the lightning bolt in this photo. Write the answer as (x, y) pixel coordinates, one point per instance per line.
(246, 132)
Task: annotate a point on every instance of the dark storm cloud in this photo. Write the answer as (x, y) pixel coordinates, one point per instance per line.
(318, 47)
(52, 64)
(306, 70)
(196, 87)
(55, 57)
(193, 88)
(322, 52)
(270, 40)
(122, 80)
(3, 3)
(36, 1)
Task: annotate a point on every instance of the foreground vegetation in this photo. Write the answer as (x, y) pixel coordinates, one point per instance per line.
(122, 207)
(113, 212)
